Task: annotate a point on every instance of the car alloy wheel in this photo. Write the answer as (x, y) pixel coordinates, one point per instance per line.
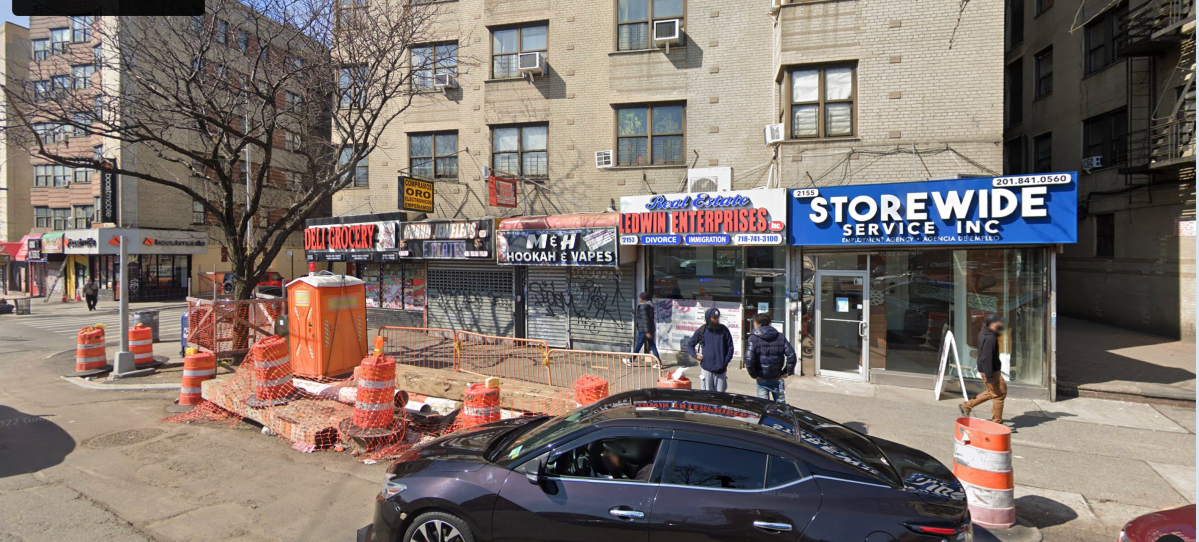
(438, 527)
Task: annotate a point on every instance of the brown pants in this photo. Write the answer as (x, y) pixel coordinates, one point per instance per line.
(996, 392)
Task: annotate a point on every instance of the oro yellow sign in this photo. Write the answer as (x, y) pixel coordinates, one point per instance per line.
(416, 195)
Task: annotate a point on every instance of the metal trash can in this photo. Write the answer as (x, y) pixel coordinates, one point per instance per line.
(23, 305)
(148, 319)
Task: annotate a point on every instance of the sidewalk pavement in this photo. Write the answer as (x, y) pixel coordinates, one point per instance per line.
(1097, 360)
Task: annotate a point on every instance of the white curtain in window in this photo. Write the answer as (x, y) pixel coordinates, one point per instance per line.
(805, 85)
(803, 122)
(534, 138)
(838, 83)
(839, 119)
(506, 139)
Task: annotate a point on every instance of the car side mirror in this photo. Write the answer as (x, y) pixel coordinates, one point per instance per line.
(535, 474)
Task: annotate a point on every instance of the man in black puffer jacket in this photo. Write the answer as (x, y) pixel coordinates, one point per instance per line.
(769, 359)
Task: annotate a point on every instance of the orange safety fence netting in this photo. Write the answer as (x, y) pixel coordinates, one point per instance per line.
(227, 327)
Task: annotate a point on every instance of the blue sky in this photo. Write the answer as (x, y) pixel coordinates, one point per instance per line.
(7, 16)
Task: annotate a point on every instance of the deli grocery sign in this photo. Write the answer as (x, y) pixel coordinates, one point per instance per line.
(739, 217)
(368, 238)
(1028, 209)
(576, 246)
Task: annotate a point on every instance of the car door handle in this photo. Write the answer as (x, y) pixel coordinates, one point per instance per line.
(771, 526)
(625, 513)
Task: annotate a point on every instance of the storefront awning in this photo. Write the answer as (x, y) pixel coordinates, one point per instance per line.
(8, 252)
(23, 251)
(556, 222)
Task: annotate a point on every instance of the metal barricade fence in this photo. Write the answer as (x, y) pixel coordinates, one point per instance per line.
(505, 357)
(227, 327)
(430, 348)
(622, 370)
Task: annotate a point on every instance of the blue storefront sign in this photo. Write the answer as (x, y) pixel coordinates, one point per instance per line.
(1015, 210)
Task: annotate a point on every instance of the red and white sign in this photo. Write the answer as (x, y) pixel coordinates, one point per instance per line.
(502, 192)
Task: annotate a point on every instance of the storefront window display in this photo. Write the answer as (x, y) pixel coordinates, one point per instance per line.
(395, 285)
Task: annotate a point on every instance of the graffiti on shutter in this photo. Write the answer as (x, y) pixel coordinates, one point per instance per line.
(601, 308)
(476, 298)
(548, 305)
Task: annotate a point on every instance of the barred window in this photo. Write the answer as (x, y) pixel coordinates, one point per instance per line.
(520, 150)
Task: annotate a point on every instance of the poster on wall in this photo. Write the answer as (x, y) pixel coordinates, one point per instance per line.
(372, 295)
(414, 294)
(737, 217)
(679, 318)
(392, 292)
(1026, 209)
(573, 247)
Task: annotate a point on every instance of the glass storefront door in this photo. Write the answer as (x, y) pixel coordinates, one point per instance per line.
(763, 293)
(842, 321)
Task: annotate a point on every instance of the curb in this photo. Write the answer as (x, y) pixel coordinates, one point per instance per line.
(119, 387)
(1067, 389)
(1021, 532)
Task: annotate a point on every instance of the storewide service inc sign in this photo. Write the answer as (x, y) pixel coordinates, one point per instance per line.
(1026, 209)
(739, 217)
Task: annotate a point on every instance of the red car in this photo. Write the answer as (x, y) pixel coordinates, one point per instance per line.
(1170, 525)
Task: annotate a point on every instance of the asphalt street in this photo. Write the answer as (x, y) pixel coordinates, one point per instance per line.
(77, 464)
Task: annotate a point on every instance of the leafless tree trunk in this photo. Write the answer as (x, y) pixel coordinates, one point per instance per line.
(303, 88)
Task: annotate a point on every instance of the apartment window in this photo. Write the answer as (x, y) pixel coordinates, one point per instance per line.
(61, 218)
(42, 217)
(42, 175)
(41, 91)
(1042, 150)
(1102, 40)
(96, 206)
(51, 175)
(59, 85)
(1044, 69)
(81, 76)
(83, 175)
(83, 216)
(433, 155)
(1105, 235)
(649, 135)
(243, 41)
(197, 23)
(520, 150)
(1104, 136)
(222, 31)
(59, 37)
(1013, 156)
(295, 63)
(294, 101)
(98, 153)
(41, 49)
(81, 29)
(506, 46)
(81, 122)
(264, 51)
(49, 132)
(1015, 23)
(198, 213)
(360, 173)
(62, 175)
(636, 18)
(97, 56)
(822, 101)
(1013, 82)
(430, 60)
(291, 141)
(1043, 5)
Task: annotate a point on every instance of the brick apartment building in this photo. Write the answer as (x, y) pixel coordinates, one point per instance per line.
(73, 217)
(16, 175)
(1107, 88)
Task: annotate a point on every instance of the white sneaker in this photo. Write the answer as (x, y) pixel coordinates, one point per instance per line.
(628, 361)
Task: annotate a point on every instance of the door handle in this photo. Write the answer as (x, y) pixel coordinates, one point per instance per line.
(770, 526)
(862, 328)
(625, 513)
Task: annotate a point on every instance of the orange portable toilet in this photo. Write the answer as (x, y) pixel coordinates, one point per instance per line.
(326, 324)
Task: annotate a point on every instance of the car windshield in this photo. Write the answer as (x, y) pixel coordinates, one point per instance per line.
(844, 444)
(522, 440)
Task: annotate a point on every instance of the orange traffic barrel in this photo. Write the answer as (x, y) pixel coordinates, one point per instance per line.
(272, 373)
(589, 389)
(982, 461)
(374, 405)
(90, 356)
(667, 382)
(141, 344)
(480, 405)
(197, 368)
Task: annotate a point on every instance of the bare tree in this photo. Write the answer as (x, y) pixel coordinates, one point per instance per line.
(259, 114)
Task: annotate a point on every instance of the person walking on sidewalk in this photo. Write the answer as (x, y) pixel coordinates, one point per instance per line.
(91, 292)
(645, 326)
(769, 359)
(988, 367)
(716, 351)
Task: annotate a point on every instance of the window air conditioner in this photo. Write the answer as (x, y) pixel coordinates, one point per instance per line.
(444, 81)
(774, 133)
(710, 179)
(1092, 162)
(603, 159)
(667, 32)
(530, 64)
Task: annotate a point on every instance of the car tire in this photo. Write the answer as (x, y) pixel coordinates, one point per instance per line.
(438, 527)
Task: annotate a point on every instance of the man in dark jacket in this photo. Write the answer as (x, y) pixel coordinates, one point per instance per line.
(645, 326)
(91, 292)
(769, 359)
(716, 351)
(988, 367)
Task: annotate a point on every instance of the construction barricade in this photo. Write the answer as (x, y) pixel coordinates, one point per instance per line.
(589, 389)
(480, 405)
(227, 328)
(982, 461)
(91, 357)
(374, 406)
(430, 348)
(272, 373)
(505, 357)
(141, 344)
(197, 368)
(622, 370)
